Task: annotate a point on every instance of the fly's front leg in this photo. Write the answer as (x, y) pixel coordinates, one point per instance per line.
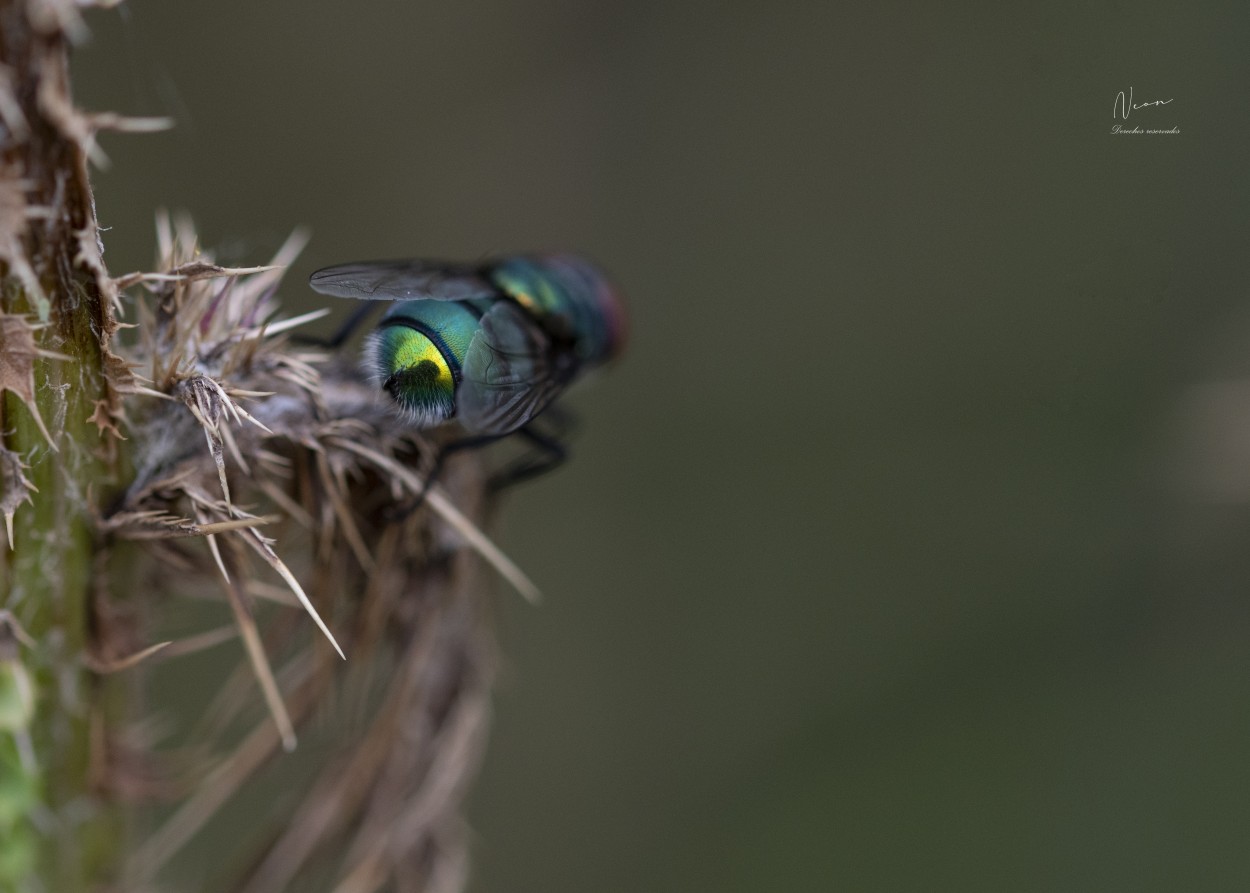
(345, 331)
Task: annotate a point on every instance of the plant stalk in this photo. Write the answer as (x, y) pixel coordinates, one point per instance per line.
(57, 401)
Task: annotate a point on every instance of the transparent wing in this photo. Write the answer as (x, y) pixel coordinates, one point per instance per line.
(403, 280)
(512, 370)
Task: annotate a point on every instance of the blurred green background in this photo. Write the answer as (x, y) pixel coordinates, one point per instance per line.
(895, 554)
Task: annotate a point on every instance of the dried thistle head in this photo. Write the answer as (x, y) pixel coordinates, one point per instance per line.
(274, 472)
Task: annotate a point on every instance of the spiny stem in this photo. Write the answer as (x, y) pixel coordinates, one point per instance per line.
(52, 274)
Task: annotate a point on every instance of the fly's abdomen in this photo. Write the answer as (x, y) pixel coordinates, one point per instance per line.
(570, 289)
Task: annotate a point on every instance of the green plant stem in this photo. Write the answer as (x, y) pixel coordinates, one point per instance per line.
(47, 578)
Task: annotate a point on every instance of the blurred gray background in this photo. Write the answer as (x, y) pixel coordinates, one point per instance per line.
(895, 554)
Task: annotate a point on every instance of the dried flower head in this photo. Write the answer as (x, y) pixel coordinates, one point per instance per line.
(277, 471)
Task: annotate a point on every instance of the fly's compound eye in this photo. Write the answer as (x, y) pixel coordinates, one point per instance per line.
(411, 368)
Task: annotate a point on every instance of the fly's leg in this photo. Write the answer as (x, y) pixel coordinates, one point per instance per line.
(402, 511)
(549, 453)
(345, 331)
(560, 422)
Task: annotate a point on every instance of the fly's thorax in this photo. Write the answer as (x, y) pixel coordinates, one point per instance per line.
(416, 355)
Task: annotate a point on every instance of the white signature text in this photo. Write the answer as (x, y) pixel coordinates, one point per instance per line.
(1125, 106)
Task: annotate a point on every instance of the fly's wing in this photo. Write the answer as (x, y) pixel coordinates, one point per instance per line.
(403, 280)
(512, 370)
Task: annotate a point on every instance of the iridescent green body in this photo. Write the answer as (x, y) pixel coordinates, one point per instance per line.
(569, 289)
(488, 345)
